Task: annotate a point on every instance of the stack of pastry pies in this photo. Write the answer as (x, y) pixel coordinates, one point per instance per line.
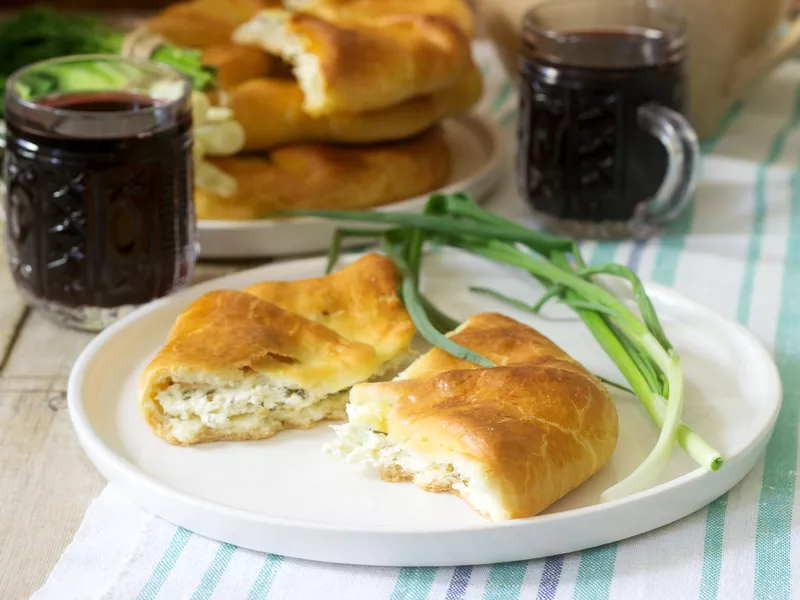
(340, 100)
(510, 440)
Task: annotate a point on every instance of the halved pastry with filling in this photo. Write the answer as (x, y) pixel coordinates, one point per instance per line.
(236, 367)
(270, 110)
(510, 440)
(351, 67)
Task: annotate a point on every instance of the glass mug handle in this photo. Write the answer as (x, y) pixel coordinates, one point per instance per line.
(673, 130)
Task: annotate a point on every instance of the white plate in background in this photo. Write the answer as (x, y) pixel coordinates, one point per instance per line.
(283, 496)
(476, 148)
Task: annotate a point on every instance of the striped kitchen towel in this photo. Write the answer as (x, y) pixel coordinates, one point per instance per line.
(736, 250)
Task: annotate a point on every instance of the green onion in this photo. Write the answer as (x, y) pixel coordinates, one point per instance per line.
(648, 471)
(416, 309)
(40, 33)
(556, 291)
(614, 384)
(339, 235)
(429, 223)
(503, 298)
(442, 322)
(642, 300)
(636, 343)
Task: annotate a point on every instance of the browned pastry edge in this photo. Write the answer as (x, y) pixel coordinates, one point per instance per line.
(271, 113)
(314, 176)
(358, 301)
(536, 426)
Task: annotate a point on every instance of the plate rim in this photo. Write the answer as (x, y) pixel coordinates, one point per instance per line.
(127, 473)
(496, 156)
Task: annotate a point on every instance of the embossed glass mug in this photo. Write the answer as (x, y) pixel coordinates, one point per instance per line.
(603, 148)
(99, 188)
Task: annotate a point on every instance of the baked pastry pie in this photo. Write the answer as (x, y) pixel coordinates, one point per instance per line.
(510, 440)
(237, 367)
(312, 176)
(271, 112)
(355, 67)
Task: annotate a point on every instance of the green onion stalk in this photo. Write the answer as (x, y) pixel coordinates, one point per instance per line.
(39, 33)
(635, 341)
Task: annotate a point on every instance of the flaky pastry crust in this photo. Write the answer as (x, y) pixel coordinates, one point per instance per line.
(537, 426)
(359, 302)
(357, 67)
(227, 336)
(313, 176)
(271, 113)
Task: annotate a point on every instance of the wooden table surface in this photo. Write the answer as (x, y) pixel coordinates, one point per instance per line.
(46, 481)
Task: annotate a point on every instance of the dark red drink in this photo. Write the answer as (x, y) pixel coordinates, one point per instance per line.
(99, 202)
(599, 106)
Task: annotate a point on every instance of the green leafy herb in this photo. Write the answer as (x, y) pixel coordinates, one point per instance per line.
(40, 33)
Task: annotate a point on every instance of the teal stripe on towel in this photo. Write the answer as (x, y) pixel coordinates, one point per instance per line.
(754, 248)
(165, 565)
(265, 577)
(214, 572)
(595, 573)
(713, 543)
(414, 583)
(773, 576)
(505, 581)
(713, 548)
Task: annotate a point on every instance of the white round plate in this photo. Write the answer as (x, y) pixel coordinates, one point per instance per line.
(283, 496)
(476, 149)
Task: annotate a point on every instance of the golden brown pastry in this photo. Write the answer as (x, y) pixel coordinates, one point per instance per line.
(362, 292)
(510, 440)
(373, 10)
(234, 11)
(236, 64)
(184, 25)
(315, 176)
(349, 68)
(205, 23)
(236, 367)
(271, 112)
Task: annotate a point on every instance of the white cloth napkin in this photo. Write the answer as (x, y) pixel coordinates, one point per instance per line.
(736, 251)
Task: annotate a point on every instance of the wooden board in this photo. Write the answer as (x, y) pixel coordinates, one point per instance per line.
(46, 482)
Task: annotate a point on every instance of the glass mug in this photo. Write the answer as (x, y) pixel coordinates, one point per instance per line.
(99, 186)
(603, 149)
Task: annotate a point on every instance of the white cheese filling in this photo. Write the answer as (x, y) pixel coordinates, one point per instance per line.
(270, 30)
(214, 407)
(362, 446)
